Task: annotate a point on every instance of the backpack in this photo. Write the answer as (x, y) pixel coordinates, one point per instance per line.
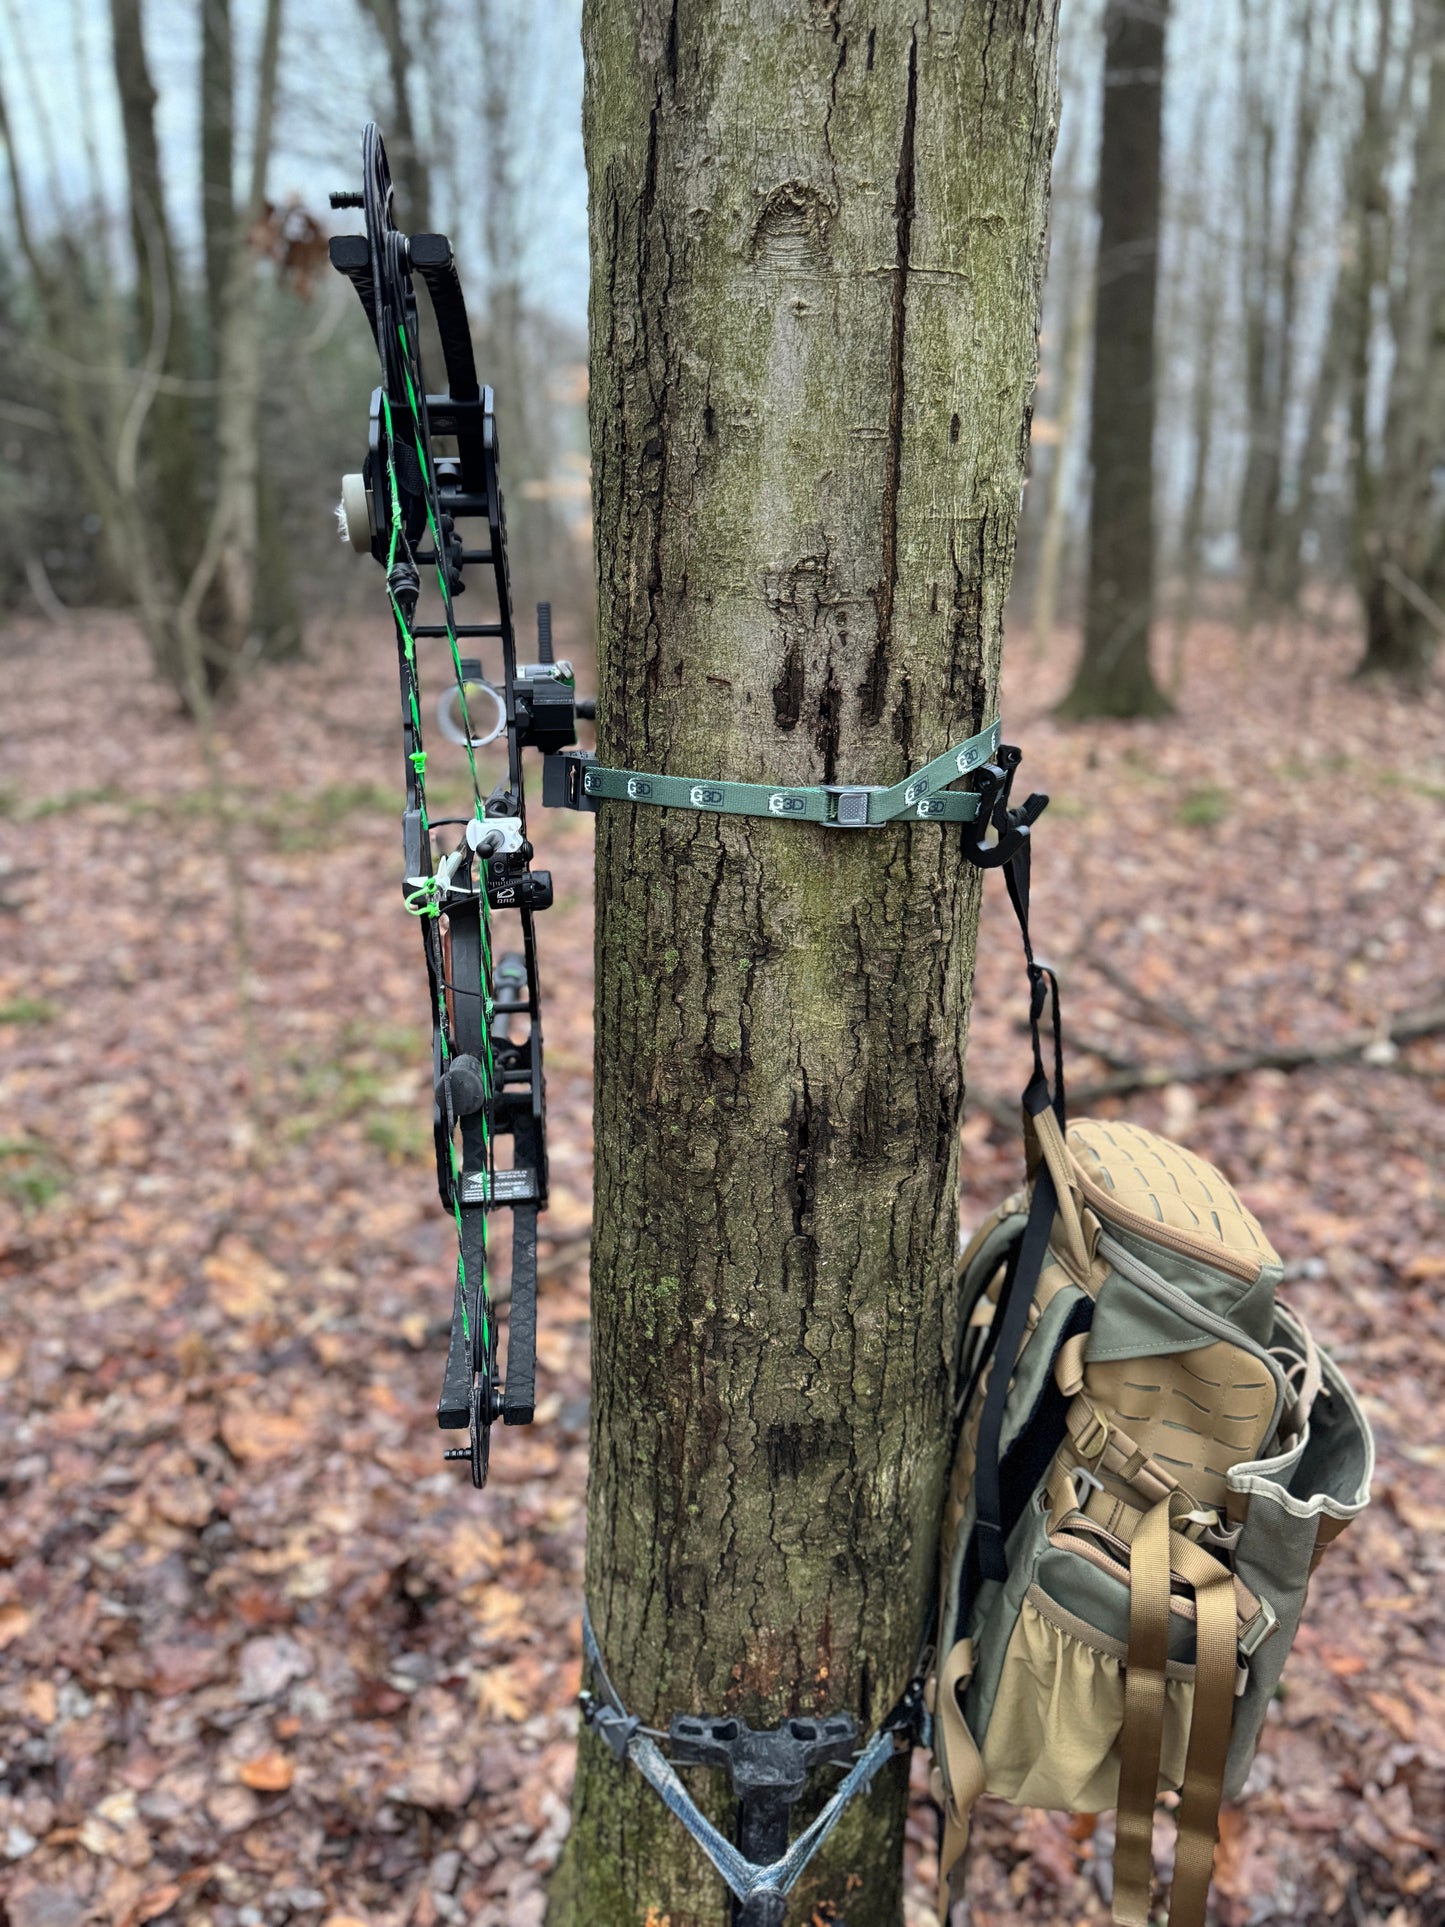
(1137, 1500)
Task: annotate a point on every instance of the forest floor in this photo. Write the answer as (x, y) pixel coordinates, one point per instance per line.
(264, 1657)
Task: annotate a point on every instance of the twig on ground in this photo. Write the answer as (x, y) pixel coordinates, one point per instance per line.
(1401, 1029)
(1162, 1010)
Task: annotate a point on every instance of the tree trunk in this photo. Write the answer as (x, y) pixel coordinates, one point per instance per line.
(510, 42)
(1191, 538)
(228, 563)
(1114, 677)
(218, 192)
(1405, 549)
(1297, 515)
(1368, 221)
(170, 439)
(816, 255)
(1256, 160)
(1063, 469)
(403, 149)
(1261, 535)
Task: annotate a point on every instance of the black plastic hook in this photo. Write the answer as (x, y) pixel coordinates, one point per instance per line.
(1010, 826)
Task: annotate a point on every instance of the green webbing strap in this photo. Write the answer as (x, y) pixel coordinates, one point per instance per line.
(845, 805)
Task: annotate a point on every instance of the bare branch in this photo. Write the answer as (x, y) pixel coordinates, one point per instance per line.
(1402, 1029)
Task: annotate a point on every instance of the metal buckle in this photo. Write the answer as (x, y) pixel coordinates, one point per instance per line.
(850, 804)
(1090, 1443)
(1265, 1622)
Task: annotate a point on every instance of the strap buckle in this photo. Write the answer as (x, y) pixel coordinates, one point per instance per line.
(849, 808)
(1085, 1480)
(1259, 1629)
(1090, 1443)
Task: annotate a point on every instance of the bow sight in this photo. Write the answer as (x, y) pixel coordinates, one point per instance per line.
(407, 508)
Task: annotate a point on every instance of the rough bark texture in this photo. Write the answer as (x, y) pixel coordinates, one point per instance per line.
(170, 432)
(1404, 590)
(816, 249)
(226, 572)
(1114, 677)
(218, 152)
(1262, 504)
(408, 163)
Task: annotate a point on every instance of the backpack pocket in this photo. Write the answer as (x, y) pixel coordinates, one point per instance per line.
(1058, 1706)
(1288, 1509)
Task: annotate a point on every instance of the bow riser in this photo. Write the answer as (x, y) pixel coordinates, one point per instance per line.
(408, 507)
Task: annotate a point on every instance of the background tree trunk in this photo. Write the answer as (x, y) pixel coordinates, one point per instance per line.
(1114, 677)
(170, 438)
(1059, 501)
(232, 550)
(268, 606)
(1369, 224)
(1262, 528)
(816, 254)
(1405, 550)
(403, 149)
(218, 153)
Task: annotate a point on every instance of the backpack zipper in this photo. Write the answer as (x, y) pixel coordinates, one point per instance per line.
(1215, 1255)
(1068, 1540)
(1179, 1301)
(1064, 1621)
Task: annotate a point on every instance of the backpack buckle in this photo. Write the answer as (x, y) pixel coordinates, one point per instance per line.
(1090, 1443)
(1265, 1622)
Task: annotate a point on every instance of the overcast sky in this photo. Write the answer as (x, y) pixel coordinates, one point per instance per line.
(55, 58)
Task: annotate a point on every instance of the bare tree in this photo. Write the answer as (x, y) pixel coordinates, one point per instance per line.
(1062, 481)
(228, 559)
(403, 146)
(218, 153)
(1114, 677)
(1403, 542)
(170, 432)
(1273, 268)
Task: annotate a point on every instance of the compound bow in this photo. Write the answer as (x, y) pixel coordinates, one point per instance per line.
(405, 508)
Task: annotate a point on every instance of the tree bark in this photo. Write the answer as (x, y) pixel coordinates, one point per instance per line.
(1405, 549)
(508, 41)
(226, 570)
(170, 438)
(1264, 521)
(1063, 469)
(218, 144)
(1114, 677)
(403, 149)
(816, 254)
(1368, 221)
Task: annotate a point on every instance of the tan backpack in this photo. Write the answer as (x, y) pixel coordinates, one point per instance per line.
(1136, 1503)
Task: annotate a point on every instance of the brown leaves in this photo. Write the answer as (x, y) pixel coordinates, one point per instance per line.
(15, 1622)
(268, 1773)
(256, 1436)
(247, 1612)
(180, 1666)
(243, 1284)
